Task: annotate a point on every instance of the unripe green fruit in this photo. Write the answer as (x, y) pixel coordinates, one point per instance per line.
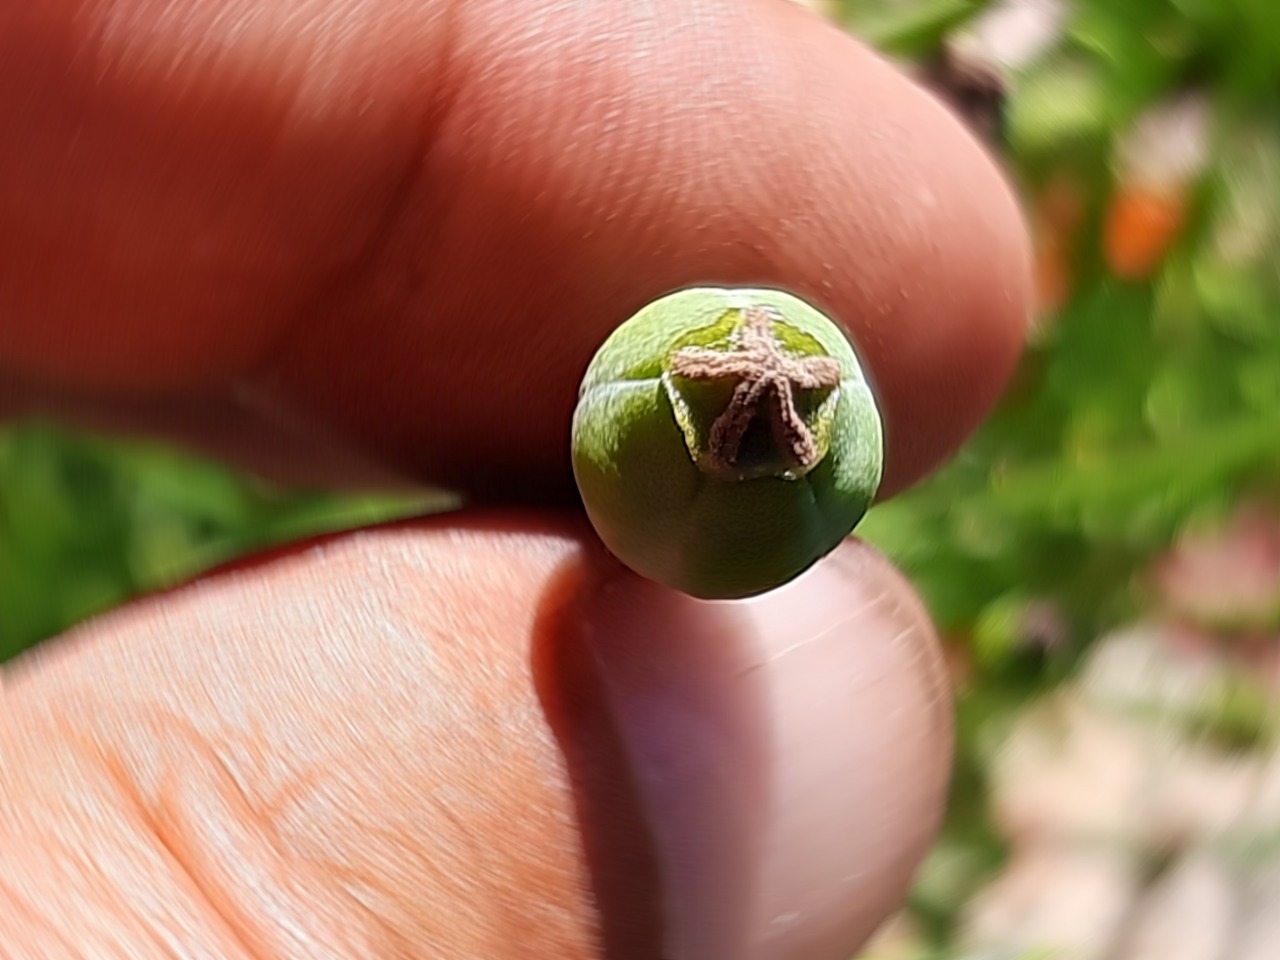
(725, 440)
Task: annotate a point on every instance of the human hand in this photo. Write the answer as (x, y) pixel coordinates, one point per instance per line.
(377, 243)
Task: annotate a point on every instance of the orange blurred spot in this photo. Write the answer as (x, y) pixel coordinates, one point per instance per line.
(1141, 226)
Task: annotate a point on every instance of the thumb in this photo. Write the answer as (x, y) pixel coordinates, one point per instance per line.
(474, 737)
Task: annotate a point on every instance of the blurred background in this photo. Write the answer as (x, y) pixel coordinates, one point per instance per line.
(1103, 559)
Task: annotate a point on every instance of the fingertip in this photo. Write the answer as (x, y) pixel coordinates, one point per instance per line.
(592, 159)
(462, 201)
(486, 718)
(789, 754)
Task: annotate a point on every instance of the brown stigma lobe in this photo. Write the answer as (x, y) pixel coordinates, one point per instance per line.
(767, 378)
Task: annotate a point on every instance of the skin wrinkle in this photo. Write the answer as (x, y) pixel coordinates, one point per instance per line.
(28, 919)
(85, 885)
(273, 899)
(167, 812)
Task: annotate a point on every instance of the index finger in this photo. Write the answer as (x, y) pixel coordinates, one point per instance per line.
(411, 229)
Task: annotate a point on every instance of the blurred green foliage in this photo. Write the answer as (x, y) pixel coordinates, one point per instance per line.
(86, 524)
(1150, 395)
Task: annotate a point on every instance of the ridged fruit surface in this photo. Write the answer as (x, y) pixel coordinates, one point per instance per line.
(725, 439)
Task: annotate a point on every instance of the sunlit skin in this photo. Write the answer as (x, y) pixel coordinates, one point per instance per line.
(375, 243)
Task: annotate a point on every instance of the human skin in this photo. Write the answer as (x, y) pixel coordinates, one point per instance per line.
(375, 243)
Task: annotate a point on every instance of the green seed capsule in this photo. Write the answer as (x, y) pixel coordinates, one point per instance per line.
(725, 440)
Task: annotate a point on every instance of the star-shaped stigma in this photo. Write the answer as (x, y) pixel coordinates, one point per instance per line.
(766, 374)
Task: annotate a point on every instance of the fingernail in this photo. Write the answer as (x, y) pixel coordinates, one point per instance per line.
(784, 760)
